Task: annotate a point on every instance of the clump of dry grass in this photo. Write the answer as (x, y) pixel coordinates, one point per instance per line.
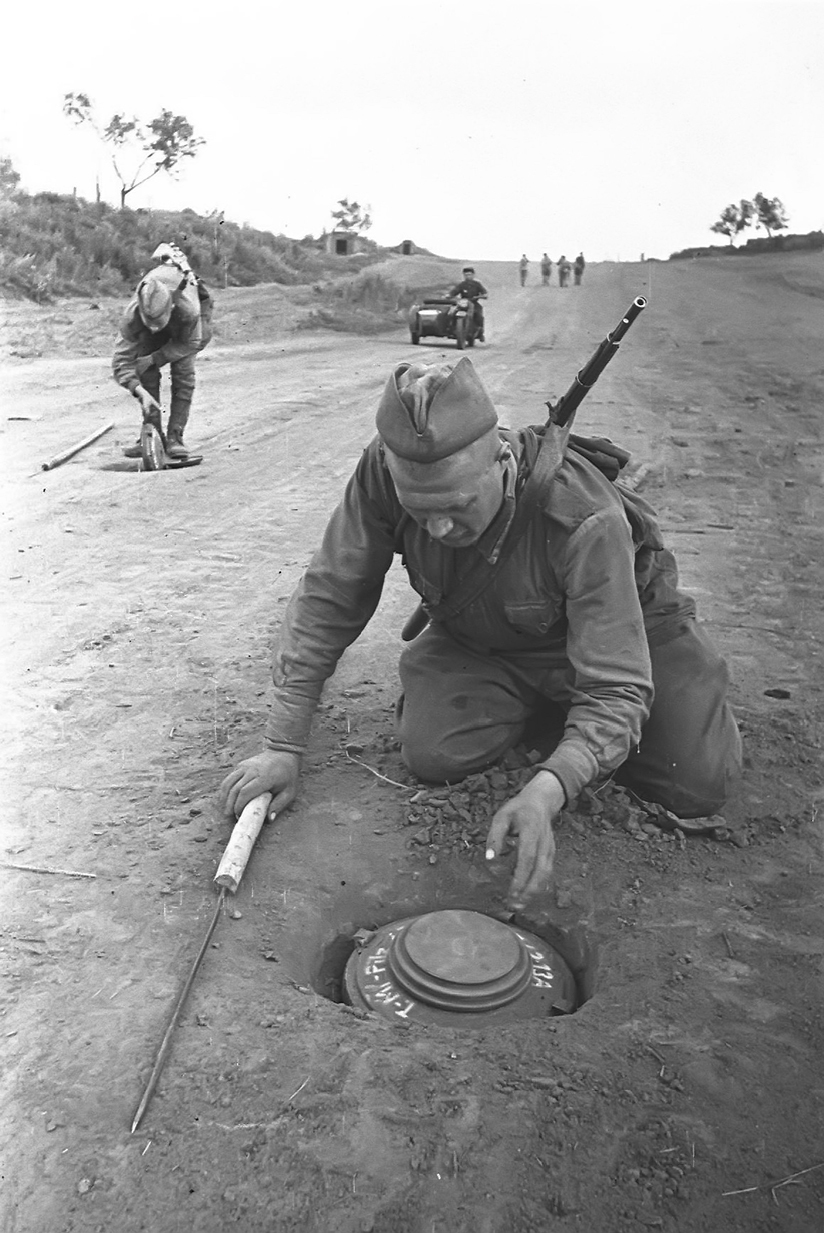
(367, 304)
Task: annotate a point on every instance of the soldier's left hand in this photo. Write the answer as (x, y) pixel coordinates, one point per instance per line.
(142, 364)
(529, 815)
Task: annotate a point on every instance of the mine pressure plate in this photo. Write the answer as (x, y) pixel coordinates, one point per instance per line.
(458, 966)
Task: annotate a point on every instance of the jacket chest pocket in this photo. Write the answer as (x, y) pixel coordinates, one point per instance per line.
(534, 619)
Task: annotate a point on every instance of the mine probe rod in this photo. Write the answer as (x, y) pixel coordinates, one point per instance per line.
(229, 872)
(563, 410)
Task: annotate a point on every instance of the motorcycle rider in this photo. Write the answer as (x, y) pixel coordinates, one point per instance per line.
(470, 289)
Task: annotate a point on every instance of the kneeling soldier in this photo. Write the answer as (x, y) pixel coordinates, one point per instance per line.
(578, 608)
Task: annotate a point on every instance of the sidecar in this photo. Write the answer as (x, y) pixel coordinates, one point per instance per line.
(443, 317)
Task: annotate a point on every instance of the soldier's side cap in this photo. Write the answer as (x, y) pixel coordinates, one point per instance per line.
(429, 411)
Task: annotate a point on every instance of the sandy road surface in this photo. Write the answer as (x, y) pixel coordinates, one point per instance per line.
(139, 614)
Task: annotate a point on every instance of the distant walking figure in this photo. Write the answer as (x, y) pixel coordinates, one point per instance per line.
(579, 269)
(563, 271)
(546, 270)
(522, 267)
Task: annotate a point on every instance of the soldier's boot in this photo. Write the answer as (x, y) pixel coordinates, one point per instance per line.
(174, 444)
(178, 418)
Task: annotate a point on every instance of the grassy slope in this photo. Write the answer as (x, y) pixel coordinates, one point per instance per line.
(53, 245)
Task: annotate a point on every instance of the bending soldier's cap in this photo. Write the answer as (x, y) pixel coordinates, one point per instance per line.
(154, 300)
(429, 411)
(156, 294)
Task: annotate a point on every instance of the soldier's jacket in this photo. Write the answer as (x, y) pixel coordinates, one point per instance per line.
(188, 331)
(584, 591)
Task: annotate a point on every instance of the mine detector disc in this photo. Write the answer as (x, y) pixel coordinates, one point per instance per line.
(152, 449)
(458, 968)
(153, 456)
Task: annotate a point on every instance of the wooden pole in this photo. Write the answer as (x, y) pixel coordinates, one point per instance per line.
(75, 449)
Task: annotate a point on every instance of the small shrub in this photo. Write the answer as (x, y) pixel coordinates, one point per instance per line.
(24, 277)
(367, 304)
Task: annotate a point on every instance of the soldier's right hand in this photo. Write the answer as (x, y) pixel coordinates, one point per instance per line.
(271, 771)
(147, 403)
(529, 815)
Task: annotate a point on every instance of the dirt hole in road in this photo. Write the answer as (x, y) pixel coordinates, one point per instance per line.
(359, 914)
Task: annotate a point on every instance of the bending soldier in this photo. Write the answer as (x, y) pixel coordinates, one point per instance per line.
(167, 322)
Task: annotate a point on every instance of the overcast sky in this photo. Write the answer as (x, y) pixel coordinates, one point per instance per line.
(478, 129)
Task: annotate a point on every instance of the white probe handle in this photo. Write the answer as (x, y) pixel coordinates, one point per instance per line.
(242, 840)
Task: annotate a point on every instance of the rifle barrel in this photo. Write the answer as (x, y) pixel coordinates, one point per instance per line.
(566, 406)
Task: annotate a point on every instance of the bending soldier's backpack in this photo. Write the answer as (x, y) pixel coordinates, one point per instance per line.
(192, 290)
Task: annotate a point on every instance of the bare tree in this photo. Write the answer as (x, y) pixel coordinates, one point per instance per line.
(351, 216)
(147, 149)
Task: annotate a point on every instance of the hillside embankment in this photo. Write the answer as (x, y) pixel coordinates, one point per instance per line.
(61, 255)
(366, 302)
(54, 245)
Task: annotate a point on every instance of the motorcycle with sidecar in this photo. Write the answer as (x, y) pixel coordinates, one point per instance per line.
(445, 316)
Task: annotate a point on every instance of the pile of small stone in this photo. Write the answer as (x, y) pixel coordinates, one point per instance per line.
(451, 819)
(456, 819)
(614, 806)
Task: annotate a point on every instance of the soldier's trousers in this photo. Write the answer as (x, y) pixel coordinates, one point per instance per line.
(460, 710)
(182, 376)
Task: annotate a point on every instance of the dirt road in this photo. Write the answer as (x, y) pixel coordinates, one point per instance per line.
(140, 612)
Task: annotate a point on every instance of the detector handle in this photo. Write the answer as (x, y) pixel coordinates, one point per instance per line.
(242, 840)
